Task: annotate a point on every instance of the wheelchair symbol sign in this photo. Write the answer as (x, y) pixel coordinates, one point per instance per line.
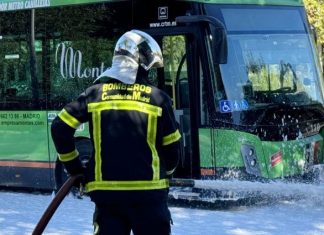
(228, 106)
(225, 106)
(244, 105)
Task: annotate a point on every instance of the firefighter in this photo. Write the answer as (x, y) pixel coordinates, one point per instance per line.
(135, 139)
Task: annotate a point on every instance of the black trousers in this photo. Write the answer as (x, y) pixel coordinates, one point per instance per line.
(141, 219)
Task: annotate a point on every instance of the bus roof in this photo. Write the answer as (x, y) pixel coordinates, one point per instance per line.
(9, 5)
(257, 2)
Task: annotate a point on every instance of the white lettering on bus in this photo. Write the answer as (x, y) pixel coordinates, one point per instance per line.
(163, 24)
(4, 6)
(37, 3)
(31, 115)
(71, 63)
(15, 5)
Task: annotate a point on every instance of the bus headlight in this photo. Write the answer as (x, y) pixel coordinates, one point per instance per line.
(250, 159)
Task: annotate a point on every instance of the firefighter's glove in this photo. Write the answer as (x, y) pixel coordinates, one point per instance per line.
(74, 167)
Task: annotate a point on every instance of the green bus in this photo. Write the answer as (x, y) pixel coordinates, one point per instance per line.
(244, 76)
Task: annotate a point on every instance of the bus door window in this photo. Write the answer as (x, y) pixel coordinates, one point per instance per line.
(177, 86)
(203, 99)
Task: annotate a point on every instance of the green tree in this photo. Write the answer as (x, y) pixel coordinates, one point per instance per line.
(315, 12)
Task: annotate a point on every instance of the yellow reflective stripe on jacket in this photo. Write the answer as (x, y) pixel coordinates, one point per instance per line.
(152, 111)
(151, 139)
(97, 142)
(69, 119)
(173, 137)
(125, 105)
(127, 185)
(65, 157)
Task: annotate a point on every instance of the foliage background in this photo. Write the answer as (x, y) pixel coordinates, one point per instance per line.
(315, 11)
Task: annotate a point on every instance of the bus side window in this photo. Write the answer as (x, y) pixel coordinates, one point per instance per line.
(9, 89)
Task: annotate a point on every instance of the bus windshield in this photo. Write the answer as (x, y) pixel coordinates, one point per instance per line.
(270, 59)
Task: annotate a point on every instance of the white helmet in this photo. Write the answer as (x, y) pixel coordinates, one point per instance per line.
(132, 49)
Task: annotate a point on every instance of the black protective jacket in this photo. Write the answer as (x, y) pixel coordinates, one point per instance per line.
(135, 139)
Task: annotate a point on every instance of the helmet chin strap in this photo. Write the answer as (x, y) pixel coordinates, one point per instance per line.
(147, 77)
(141, 73)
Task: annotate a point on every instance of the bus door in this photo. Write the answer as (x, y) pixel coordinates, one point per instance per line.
(177, 78)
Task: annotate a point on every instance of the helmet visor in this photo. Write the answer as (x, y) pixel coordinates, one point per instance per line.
(150, 55)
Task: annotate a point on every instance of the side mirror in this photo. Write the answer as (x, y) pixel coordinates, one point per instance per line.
(219, 36)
